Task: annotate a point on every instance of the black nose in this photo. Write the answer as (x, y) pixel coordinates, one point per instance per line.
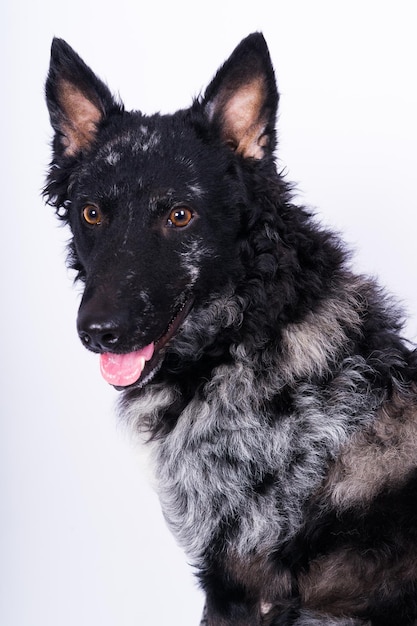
(99, 329)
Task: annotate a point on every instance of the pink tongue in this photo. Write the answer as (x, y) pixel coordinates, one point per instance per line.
(122, 370)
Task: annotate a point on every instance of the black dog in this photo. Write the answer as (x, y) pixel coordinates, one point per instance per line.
(277, 393)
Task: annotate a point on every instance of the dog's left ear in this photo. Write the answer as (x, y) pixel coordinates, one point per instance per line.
(77, 100)
(242, 99)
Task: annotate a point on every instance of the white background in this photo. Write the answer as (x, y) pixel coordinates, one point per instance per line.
(82, 539)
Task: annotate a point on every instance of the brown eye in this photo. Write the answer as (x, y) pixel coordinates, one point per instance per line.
(180, 217)
(92, 215)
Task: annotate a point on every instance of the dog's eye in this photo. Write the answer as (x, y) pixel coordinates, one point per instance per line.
(92, 215)
(180, 217)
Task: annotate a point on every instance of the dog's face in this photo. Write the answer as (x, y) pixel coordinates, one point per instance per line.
(155, 204)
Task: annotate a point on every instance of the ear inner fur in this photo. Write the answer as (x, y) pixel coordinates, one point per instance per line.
(79, 125)
(242, 118)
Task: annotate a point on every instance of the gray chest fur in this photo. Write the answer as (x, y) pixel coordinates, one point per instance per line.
(222, 447)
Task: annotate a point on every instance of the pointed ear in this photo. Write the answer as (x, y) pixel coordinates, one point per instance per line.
(77, 100)
(242, 99)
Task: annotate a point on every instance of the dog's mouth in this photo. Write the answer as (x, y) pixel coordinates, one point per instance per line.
(138, 367)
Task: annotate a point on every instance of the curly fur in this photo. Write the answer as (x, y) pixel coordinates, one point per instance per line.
(282, 413)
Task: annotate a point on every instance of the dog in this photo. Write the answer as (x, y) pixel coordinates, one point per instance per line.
(272, 383)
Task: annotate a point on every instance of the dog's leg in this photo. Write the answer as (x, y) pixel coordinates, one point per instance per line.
(305, 618)
(311, 618)
(230, 613)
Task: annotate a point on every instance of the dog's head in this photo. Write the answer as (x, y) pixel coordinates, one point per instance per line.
(155, 203)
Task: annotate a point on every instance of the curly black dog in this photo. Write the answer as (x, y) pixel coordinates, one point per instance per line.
(279, 398)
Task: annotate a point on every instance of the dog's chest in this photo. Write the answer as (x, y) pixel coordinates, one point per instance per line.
(227, 474)
(230, 472)
(207, 480)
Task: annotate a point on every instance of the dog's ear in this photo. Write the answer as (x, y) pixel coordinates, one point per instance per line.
(77, 100)
(242, 99)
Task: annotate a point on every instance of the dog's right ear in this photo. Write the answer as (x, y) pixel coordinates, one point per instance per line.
(77, 100)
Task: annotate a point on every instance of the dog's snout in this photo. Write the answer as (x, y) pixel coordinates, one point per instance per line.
(98, 329)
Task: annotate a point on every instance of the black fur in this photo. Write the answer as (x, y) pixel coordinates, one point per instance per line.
(274, 386)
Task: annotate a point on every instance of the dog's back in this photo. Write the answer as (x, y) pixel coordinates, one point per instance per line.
(278, 394)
